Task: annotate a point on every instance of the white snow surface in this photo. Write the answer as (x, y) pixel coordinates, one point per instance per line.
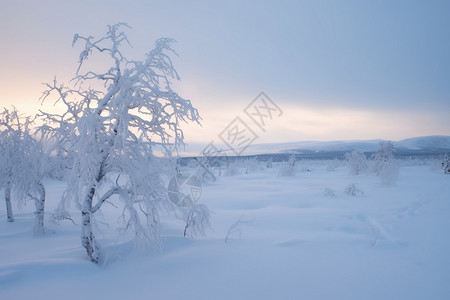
(298, 237)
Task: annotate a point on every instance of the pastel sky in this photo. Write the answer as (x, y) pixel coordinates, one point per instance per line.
(337, 69)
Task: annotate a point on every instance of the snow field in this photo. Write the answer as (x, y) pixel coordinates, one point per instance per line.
(286, 239)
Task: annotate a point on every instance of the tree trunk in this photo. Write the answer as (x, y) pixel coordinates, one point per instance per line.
(87, 236)
(8, 202)
(39, 213)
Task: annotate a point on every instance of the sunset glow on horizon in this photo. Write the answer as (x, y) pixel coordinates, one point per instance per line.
(339, 70)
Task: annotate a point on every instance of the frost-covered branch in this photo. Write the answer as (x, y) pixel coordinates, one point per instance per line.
(105, 197)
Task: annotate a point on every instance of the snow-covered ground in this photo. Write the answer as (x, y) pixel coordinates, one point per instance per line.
(288, 238)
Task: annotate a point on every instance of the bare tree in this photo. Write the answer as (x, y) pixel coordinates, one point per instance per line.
(113, 133)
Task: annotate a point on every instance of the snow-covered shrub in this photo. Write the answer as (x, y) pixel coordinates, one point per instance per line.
(329, 192)
(235, 230)
(357, 162)
(384, 165)
(197, 221)
(113, 132)
(353, 190)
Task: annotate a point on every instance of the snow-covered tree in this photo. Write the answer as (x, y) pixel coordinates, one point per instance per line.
(288, 168)
(21, 171)
(357, 162)
(269, 163)
(113, 133)
(6, 174)
(232, 168)
(384, 164)
(446, 164)
(383, 156)
(204, 171)
(292, 160)
(251, 165)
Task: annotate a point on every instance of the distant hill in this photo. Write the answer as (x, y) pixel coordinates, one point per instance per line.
(418, 146)
(436, 142)
(412, 146)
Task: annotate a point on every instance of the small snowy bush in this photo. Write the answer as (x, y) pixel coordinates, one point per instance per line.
(235, 230)
(197, 221)
(353, 190)
(329, 192)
